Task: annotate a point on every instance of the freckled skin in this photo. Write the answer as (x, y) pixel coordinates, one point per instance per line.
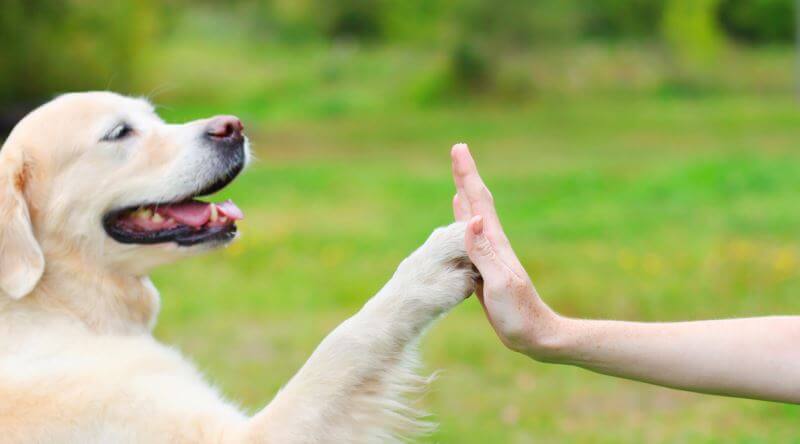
(752, 358)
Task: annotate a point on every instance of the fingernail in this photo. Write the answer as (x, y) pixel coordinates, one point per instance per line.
(477, 225)
(460, 145)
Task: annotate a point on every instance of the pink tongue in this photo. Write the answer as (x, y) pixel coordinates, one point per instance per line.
(193, 213)
(196, 214)
(230, 210)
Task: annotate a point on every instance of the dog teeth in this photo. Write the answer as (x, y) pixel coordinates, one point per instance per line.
(143, 213)
(157, 218)
(214, 213)
(224, 220)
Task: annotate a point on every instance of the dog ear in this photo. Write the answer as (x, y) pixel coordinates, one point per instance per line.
(21, 258)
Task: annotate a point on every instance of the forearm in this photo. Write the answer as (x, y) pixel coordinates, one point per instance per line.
(356, 361)
(756, 358)
(751, 358)
(353, 387)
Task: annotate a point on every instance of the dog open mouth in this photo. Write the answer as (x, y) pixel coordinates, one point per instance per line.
(186, 223)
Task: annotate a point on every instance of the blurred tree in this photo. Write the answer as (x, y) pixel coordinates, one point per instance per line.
(479, 47)
(284, 21)
(758, 21)
(470, 69)
(351, 19)
(419, 21)
(621, 18)
(491, 33)
(52, 46)
(519, 23)
(307, 21)
(691, 32)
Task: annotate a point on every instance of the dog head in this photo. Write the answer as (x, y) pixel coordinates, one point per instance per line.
(101, 176)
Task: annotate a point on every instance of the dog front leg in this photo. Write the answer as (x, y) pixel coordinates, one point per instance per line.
(351, 390)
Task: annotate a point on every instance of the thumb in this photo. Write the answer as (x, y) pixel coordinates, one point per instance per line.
(480, 250)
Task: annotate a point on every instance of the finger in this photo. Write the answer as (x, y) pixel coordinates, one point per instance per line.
(460, 210)
(492, 271)
(470, 185)
(454, 154)
(480, 201)
(480, 250)
(493, 239)
(461, 196)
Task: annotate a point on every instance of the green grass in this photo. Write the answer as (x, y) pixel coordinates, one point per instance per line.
(639, 208)
(627, 192)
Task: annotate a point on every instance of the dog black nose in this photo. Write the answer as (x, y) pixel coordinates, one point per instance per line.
(225, 129)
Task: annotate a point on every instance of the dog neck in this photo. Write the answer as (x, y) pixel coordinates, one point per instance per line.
(105, 302)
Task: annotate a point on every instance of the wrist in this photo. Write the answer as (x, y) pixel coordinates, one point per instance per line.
(548, 337)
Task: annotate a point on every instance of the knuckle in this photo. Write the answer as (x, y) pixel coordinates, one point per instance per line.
(482, 247)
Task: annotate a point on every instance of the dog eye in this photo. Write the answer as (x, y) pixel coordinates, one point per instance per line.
(119, 132)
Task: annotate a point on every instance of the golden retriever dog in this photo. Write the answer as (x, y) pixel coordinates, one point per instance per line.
(95, 191)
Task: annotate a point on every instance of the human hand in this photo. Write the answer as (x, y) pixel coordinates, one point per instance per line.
(718, 357)
(521, 319)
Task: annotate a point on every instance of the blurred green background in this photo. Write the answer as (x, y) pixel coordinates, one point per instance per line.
(643, 154)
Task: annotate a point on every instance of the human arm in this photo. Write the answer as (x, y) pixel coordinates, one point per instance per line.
(752, 358)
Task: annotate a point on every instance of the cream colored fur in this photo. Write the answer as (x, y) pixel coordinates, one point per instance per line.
(78, 363)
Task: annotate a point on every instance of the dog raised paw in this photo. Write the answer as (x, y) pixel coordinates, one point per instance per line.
(441, 270)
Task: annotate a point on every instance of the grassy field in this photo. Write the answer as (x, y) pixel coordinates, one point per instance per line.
(626, 193)
(639, 208)
(636, 181)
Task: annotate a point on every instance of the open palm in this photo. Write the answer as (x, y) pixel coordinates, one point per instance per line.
(507, 294)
